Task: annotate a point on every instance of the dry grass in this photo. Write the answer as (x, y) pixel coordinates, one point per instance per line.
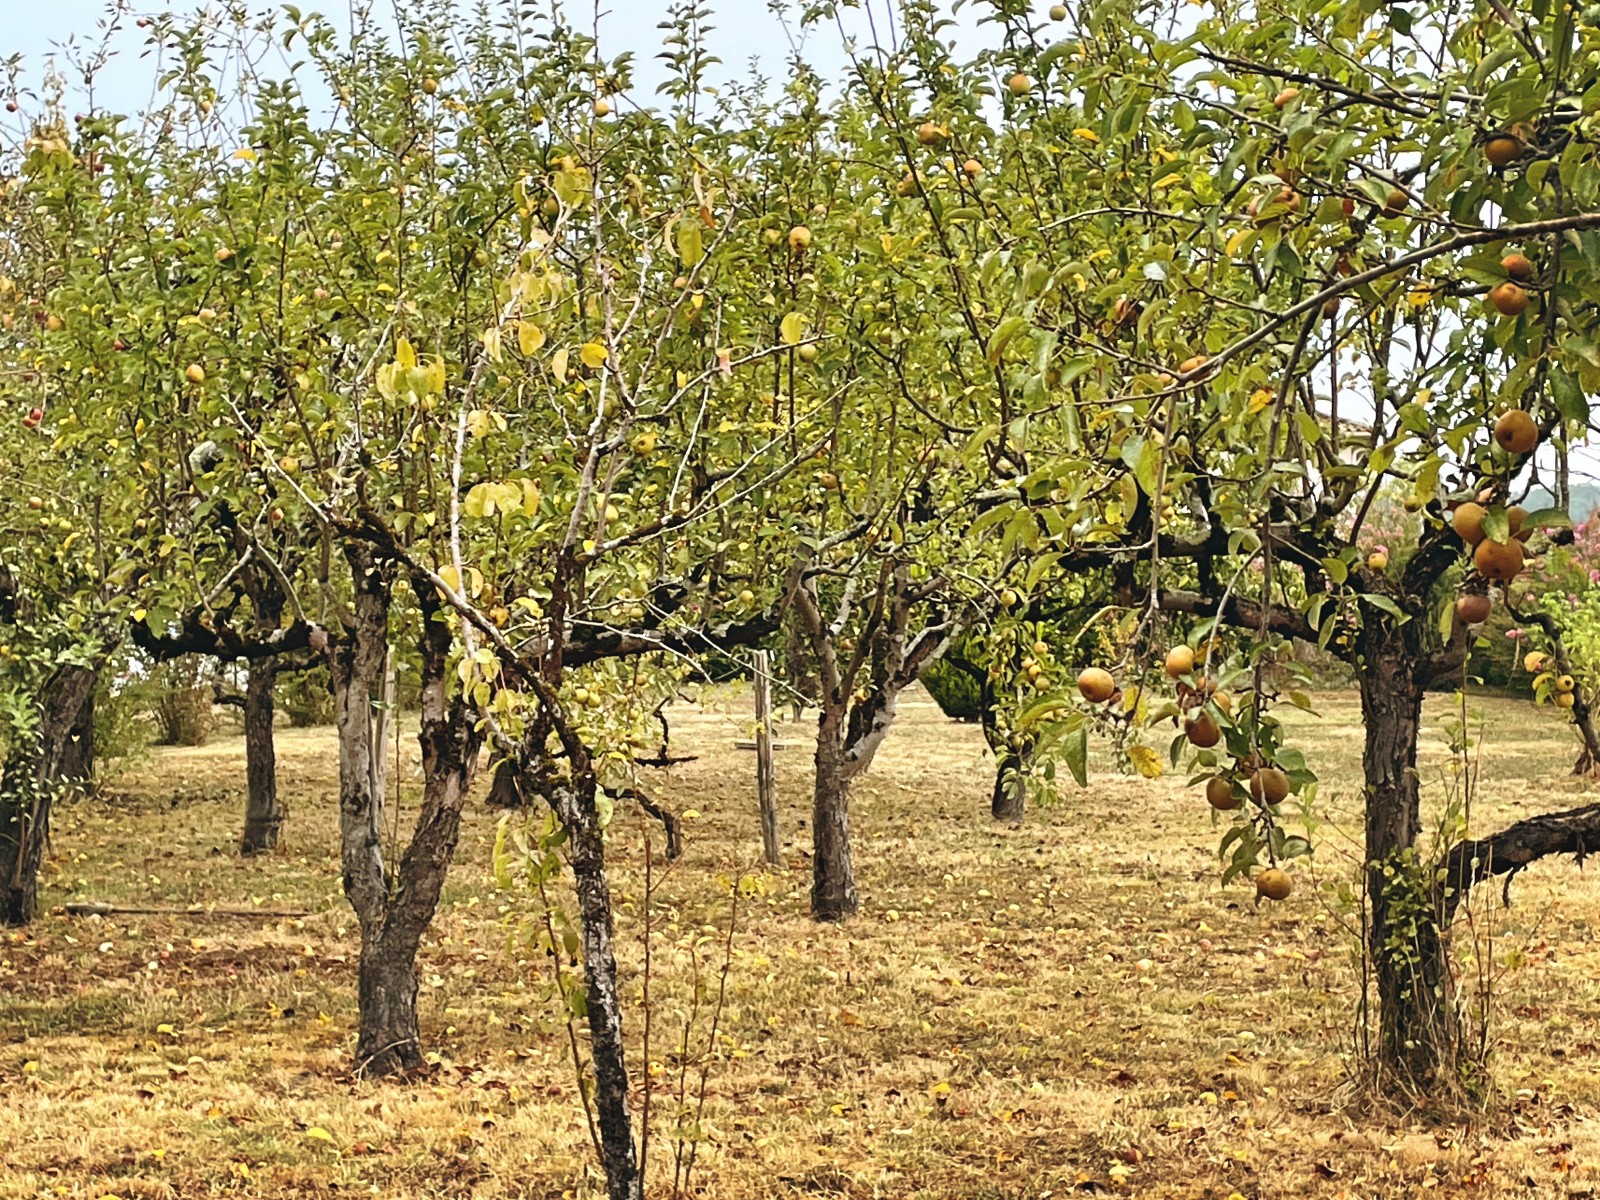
(1069, 1006)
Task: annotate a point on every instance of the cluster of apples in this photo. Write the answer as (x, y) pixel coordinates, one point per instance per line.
(1498, 562)
(1226, 790)
(1563, 688)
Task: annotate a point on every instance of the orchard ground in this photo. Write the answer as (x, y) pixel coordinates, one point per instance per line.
(1070, 1006)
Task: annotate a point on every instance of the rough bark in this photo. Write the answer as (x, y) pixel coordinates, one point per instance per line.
(574, 803)
(28, 786)
(387, 1038)
(1418, 1033)
(833, 881)
(263, 816)
(77, 758)
(394, 913)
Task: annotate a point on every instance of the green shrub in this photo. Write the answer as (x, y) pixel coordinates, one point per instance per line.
(954, 690)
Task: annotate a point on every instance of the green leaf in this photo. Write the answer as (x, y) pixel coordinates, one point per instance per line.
(1075, 753)
(1496, 525)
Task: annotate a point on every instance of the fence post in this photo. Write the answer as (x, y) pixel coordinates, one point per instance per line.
(766, 779)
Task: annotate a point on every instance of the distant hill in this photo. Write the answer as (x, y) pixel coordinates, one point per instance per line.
(1585, 499)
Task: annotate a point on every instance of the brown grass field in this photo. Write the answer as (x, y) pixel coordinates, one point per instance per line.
(1071, 1007)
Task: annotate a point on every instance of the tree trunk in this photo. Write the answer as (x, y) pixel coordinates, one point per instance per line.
(833, 881)
(1406, 942)
(612, 1116)
(1009, 800)
(263, 818)
(77, 758)
(389, 1041)
(28, 786)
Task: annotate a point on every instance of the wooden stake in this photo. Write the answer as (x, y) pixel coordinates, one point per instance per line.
(766, 778)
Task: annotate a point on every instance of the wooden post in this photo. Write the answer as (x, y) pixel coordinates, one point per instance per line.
(766, 780)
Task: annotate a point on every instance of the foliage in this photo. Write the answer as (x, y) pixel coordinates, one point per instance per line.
(958, 695)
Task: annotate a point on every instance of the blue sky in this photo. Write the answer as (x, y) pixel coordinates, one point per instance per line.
(744, 30)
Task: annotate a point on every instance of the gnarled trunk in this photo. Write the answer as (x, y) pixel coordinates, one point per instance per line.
(1407, 943)
(833, 881)
(32, 775)
(394, 913)
(263, 817)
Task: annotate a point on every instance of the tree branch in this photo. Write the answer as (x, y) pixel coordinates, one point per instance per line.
(1575, 831)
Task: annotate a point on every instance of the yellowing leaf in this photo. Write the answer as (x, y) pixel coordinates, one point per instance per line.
(1239, 240)
(405, 356)
(529, 338)
(1259, 399)
(320, 1134)
(244, 154)
(433, 378)
(491, 343)
(1167, 181)
(593, 355)
(558, 365)
(1087, 135)
(691, 242)
(793, 328)
(1146, 761)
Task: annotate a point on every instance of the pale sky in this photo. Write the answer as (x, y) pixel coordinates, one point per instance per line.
(743, 30)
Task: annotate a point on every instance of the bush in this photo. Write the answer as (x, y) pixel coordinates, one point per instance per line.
(306, 697)
(182, 703)
(954, 690)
